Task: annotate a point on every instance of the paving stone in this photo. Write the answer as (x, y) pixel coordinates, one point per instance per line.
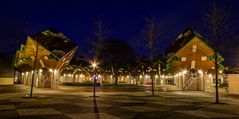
(17, 100)
(128, 101)
(139, 108)
(185, 107)
(169, 103)
(136, 103)
(73, 108)
(59, 116)
(7, 107)
(223, 108)
(208, 114)
(3, 100)
(92, 116)
(53, 102)
(93, 105)
(182, 100)
(23, 100)
(6, 114)
(46, 111)
(29, 105)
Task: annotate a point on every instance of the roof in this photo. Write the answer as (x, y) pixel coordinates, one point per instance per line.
(54, 41)
(183, 39)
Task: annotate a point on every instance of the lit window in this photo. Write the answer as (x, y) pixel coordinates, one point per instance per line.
(183, 59)
(203, 58)
(193, 64)
(45, 57)
(194, 48)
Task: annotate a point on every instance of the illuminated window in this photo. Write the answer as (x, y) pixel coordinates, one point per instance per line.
(194, 48)
(193, 64)
(45, 57)
(203, 58)
(183, 59)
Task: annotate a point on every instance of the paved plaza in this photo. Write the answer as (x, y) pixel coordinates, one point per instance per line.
(59, 104)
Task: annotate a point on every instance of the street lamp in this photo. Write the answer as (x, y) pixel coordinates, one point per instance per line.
(94, 65)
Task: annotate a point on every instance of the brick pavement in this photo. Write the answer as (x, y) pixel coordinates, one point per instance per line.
(115, 106)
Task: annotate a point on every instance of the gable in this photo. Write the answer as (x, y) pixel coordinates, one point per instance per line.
(201, 48)
(30, 49)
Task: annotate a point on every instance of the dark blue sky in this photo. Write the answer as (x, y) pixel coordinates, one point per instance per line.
(124, 18)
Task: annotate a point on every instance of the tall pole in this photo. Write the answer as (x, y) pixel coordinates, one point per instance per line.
(94, 78)
(215, 50)
(53, 79)
(216, 68)
(151, 75)
(94, 65)
(152, 84)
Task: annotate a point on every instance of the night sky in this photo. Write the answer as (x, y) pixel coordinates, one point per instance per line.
(125, 19)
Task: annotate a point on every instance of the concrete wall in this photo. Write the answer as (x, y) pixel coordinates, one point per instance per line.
(6, 81)
(233, 83)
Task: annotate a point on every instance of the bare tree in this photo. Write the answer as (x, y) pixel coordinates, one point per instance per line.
(101, 34)
(151, 36)
(217, 22)
(31, 32)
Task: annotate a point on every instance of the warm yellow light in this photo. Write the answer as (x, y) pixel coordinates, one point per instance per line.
(184, 72)
(200, 72)
(50, 70)
(94, 65)
(140, 76)
(180, 74)
(156, 76)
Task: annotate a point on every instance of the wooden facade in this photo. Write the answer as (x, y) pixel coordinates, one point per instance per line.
(191, 60)
(52, 56)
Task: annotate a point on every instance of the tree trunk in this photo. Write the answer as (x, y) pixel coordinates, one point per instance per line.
(152, 84)
(34, 68)
(116, 80)
(151, 76)
(114, 75)
(216, 77)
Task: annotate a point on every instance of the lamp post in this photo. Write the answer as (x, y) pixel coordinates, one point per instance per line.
(94, 65)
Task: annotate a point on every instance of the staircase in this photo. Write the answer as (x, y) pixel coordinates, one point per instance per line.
(188, 82)
(45, 80)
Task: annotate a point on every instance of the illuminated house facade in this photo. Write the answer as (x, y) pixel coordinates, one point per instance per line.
(190, 64)
(54, 52)
(191, 61)
(81, 74)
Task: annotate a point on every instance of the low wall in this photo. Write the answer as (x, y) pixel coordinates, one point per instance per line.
(6, 81)
(233, 84)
